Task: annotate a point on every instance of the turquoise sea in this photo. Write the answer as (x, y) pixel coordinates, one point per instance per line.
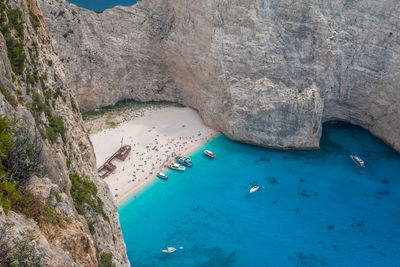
(102, 4)
(317, 209)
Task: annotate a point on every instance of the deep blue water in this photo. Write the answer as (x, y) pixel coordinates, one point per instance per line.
(318, 208)
(102, 4)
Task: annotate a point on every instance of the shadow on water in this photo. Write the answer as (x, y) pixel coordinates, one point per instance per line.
(217, 257)
(262, 159)
(328, 145)
(307, 260)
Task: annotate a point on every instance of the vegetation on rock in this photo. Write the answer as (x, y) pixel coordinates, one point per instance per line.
(9, 97)
(20, 158)
(34, 20)
(104, 259)
(24, 157)
(10, 21)
(84, 192)
(9, 194)
(9, 191)
(22, 255)
(43, 213)
(55, 125)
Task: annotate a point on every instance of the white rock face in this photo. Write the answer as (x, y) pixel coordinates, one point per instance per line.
(263, 72)
(74, 243)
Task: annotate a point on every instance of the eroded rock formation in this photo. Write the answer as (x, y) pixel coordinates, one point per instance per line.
(63, 227)
(267, 72)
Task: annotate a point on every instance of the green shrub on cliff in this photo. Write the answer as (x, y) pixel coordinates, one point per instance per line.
(6, 140)
(34, 20)
(56, 127)
(9, 191)
(16, 54)
(32, 207)
(14, 42)
(22, 255)
(9, 194)
(84, 192)
(15, 20)
(104, 259)
(38, 105)
(24, 157)
(20, 157)
(9, 97)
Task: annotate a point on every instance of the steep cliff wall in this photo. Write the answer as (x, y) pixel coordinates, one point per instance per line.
(65, 215)
(267, 72)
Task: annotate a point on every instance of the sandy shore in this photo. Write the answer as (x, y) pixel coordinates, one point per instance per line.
(154, 137)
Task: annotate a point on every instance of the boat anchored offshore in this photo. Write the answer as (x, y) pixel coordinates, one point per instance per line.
(176, 166)
(357, 160)
(209, 153)
(184, 161)
(254, 189)
(162, 175)
(169, 250)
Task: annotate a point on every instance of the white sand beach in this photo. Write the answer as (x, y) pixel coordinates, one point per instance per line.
(154, 138)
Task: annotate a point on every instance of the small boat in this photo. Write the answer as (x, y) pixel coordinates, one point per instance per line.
(254, 189)
(169, 250)
(184, 161)
(357, 160)
(162, 175)
(176, 166)
(184, 158)
(209, 153)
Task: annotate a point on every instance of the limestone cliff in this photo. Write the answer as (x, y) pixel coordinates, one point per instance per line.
(262, 71)
(65, 215)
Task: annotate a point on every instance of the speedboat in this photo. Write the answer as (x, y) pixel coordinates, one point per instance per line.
(184, 161)
(357, 160)
(162, 175)
(184, 158)
(176, 166)
(254, 189)
(169, 250)
(209, 153)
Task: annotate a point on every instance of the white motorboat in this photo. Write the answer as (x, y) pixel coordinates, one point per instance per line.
(357, 160)
(176, 166)
(184, 161)
(209, 153)
(254, 189)
(169, 250)
(162, 175)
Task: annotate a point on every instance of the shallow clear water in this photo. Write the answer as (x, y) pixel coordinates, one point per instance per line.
(102, 4)
(318, 208)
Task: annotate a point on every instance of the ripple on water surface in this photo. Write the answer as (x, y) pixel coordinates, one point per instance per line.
(317, 209)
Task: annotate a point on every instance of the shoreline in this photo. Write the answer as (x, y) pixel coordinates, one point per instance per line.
(154, 136)
(152, 177)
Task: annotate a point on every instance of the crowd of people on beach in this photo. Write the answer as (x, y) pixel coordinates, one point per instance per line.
(146, 159)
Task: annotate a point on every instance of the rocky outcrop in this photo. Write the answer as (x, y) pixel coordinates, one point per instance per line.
(263, 72)
(37, 97)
